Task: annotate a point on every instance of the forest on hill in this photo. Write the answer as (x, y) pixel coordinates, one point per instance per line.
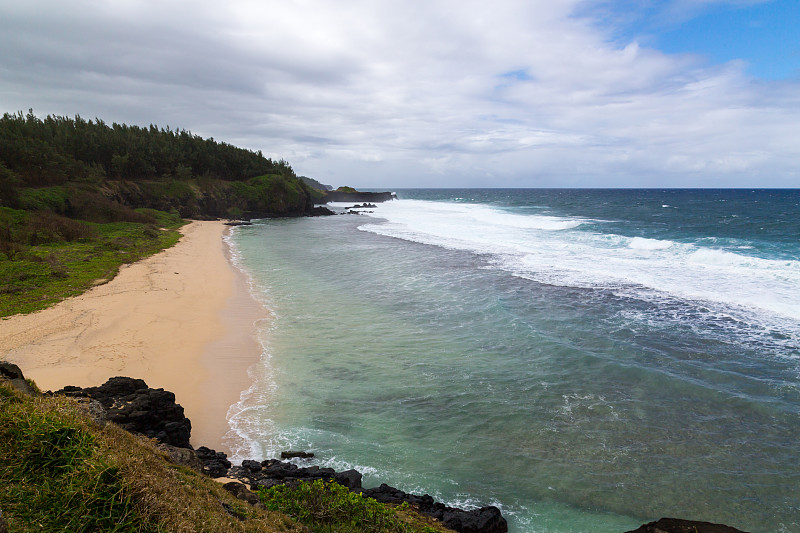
(79, 198)
(85, 168)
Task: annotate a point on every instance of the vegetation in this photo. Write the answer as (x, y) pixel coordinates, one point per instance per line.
(82, 169)
(332, 508)
(61, 471)
(58, 150)
(79, 198)
(46, 257)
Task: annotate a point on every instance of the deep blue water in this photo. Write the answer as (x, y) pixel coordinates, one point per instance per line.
(587, 360)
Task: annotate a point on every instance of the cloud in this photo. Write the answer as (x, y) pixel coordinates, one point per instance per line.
(376, 93)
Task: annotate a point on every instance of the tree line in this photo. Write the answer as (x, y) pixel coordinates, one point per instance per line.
(57, 149)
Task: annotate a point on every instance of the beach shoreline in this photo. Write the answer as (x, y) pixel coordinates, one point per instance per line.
(182, 320)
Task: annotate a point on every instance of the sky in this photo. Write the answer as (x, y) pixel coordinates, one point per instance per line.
(435, 93)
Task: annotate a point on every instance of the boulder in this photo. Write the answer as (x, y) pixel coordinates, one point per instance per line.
(677, 525)
(484, 520)
(300, 455)
(349, 478)
(253, 466)
(241, 492)
(215, 464)
(320, 211)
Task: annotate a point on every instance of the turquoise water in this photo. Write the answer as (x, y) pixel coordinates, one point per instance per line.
(584, 360)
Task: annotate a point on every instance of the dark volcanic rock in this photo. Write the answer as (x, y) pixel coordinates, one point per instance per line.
(372, 197)
(215, 464)
(676, 525)
(292, 455)
(12, 373)
(241, 492)
(484, 520)
(134, 406)
(320, 211)
(253, 466)
(274, 472)
(349, 478)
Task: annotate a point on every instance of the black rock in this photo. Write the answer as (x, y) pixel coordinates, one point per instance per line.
(484, 520)
(253, 466)
(357, 196)
(137, 408)
(215, 464)
(349, 478)
(320, 211)
(241, 492)
(677, 525)
(300, 455)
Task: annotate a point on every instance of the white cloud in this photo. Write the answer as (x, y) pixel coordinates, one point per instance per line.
(437, 93)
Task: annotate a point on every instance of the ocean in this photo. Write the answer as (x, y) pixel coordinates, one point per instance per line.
(586, 360)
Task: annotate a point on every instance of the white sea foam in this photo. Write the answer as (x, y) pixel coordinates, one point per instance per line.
(251, 432)
(640, 243)
(564, 251)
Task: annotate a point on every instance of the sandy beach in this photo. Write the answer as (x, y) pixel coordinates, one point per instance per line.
(182, 320)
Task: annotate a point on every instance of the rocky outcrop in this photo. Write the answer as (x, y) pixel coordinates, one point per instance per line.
(296, 455)
(320, 211)
(484, 520)
(676, 525)
(358, 196)
(215, 464)
(134, 406)
(273, 472)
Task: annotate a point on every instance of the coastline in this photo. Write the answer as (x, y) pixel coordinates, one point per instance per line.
(182, 320)
(227, 360)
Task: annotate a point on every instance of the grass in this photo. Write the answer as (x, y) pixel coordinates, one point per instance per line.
(45, 258)
(61, 471)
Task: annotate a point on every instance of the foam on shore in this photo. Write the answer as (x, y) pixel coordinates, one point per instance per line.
(179, 320)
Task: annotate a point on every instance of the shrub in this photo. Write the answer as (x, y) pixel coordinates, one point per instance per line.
(45, 226)
(332, 508)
